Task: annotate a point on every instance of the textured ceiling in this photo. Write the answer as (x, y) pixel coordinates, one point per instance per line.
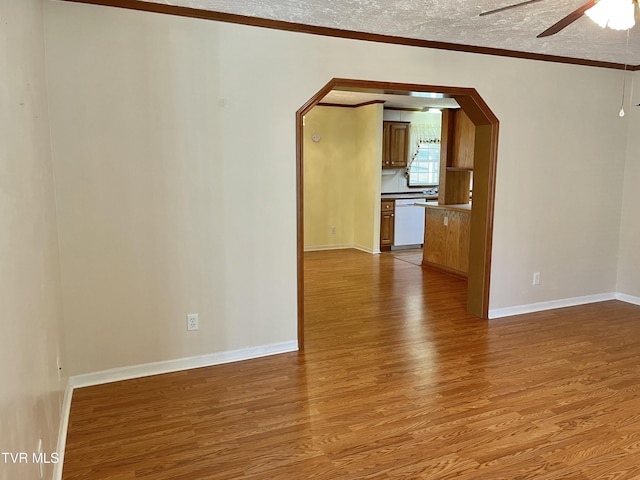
(448, 21)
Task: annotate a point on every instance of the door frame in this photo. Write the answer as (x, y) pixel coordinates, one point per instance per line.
(484, 182)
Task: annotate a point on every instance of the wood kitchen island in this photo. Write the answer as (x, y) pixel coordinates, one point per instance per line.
(446, 237)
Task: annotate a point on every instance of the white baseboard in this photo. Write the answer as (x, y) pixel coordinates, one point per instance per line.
(136, 371)
(168, 366)
(156, 368)
(550, 305)
(320, 248)
(365, 249)
(623, 297)
(62, 431)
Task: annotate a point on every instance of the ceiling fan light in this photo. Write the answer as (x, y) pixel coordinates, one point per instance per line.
(615, 14)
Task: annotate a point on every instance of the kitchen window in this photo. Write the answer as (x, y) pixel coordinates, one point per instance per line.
(424, 168)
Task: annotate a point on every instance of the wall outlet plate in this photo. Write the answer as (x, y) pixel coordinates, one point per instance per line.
(536, 278)
(192, 321)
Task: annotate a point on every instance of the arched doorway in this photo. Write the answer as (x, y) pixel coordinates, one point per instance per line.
(486, 151)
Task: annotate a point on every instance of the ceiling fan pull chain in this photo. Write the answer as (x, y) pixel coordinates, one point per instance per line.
(624, 75)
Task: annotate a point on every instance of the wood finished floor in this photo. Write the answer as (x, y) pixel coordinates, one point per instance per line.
(396, 382)
(411, 255)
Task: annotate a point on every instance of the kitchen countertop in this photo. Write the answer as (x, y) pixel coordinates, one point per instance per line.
(463, 207)
(407, 196)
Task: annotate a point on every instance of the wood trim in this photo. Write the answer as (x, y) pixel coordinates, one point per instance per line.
(482, 218)
(396, 88)
(370, 102)
(482, 234)
(313, 101)
(300, 221)
(357, 105)
(302, 111)
(483, 200)
(476, 109)
(459, 169)
(405, 109)
(490, 210)
(339, 33)
(446, 149)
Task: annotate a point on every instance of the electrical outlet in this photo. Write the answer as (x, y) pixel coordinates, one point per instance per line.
(536, 278)
(446, 221)
(333, 230)
(192, 321)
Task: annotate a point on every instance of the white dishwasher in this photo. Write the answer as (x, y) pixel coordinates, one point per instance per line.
(409, 223)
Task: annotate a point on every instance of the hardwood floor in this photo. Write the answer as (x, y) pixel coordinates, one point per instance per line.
(411, 255)
(397, 382)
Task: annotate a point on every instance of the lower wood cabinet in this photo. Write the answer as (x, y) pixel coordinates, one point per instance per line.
(446, 244)
(387, 223)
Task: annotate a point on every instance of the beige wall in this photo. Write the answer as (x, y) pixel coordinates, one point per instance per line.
(329, 177)
(368, 165)
(30, 302)
(172, 201)
(342, 177)
(629, 255)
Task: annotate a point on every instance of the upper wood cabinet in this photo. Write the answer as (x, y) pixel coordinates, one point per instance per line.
(456, 157)
(464, 141)
(395, 144)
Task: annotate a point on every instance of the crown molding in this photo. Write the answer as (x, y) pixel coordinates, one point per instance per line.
(145, 6)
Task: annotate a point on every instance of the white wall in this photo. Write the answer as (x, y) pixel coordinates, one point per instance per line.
(174, 199)
(629, 255)
(30, 300)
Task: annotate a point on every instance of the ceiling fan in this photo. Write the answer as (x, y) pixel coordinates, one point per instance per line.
(625, 8)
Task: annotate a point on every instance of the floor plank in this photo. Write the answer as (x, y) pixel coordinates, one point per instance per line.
(396, 382)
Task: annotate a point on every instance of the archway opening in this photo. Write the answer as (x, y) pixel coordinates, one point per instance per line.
(484, 173)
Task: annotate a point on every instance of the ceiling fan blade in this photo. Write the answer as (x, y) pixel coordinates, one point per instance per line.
(509, 7)
(568, 20)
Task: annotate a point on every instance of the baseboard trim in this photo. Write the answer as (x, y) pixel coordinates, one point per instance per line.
(168, 366)
(65, 411)
(156, 368)
(623, 297)
(320, 248)
(364, 249)
(550, 305)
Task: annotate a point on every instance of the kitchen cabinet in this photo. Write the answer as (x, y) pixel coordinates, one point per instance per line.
(387, 224)
(464, 142)
(395, 144)
(457, 153)
(446, 242)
